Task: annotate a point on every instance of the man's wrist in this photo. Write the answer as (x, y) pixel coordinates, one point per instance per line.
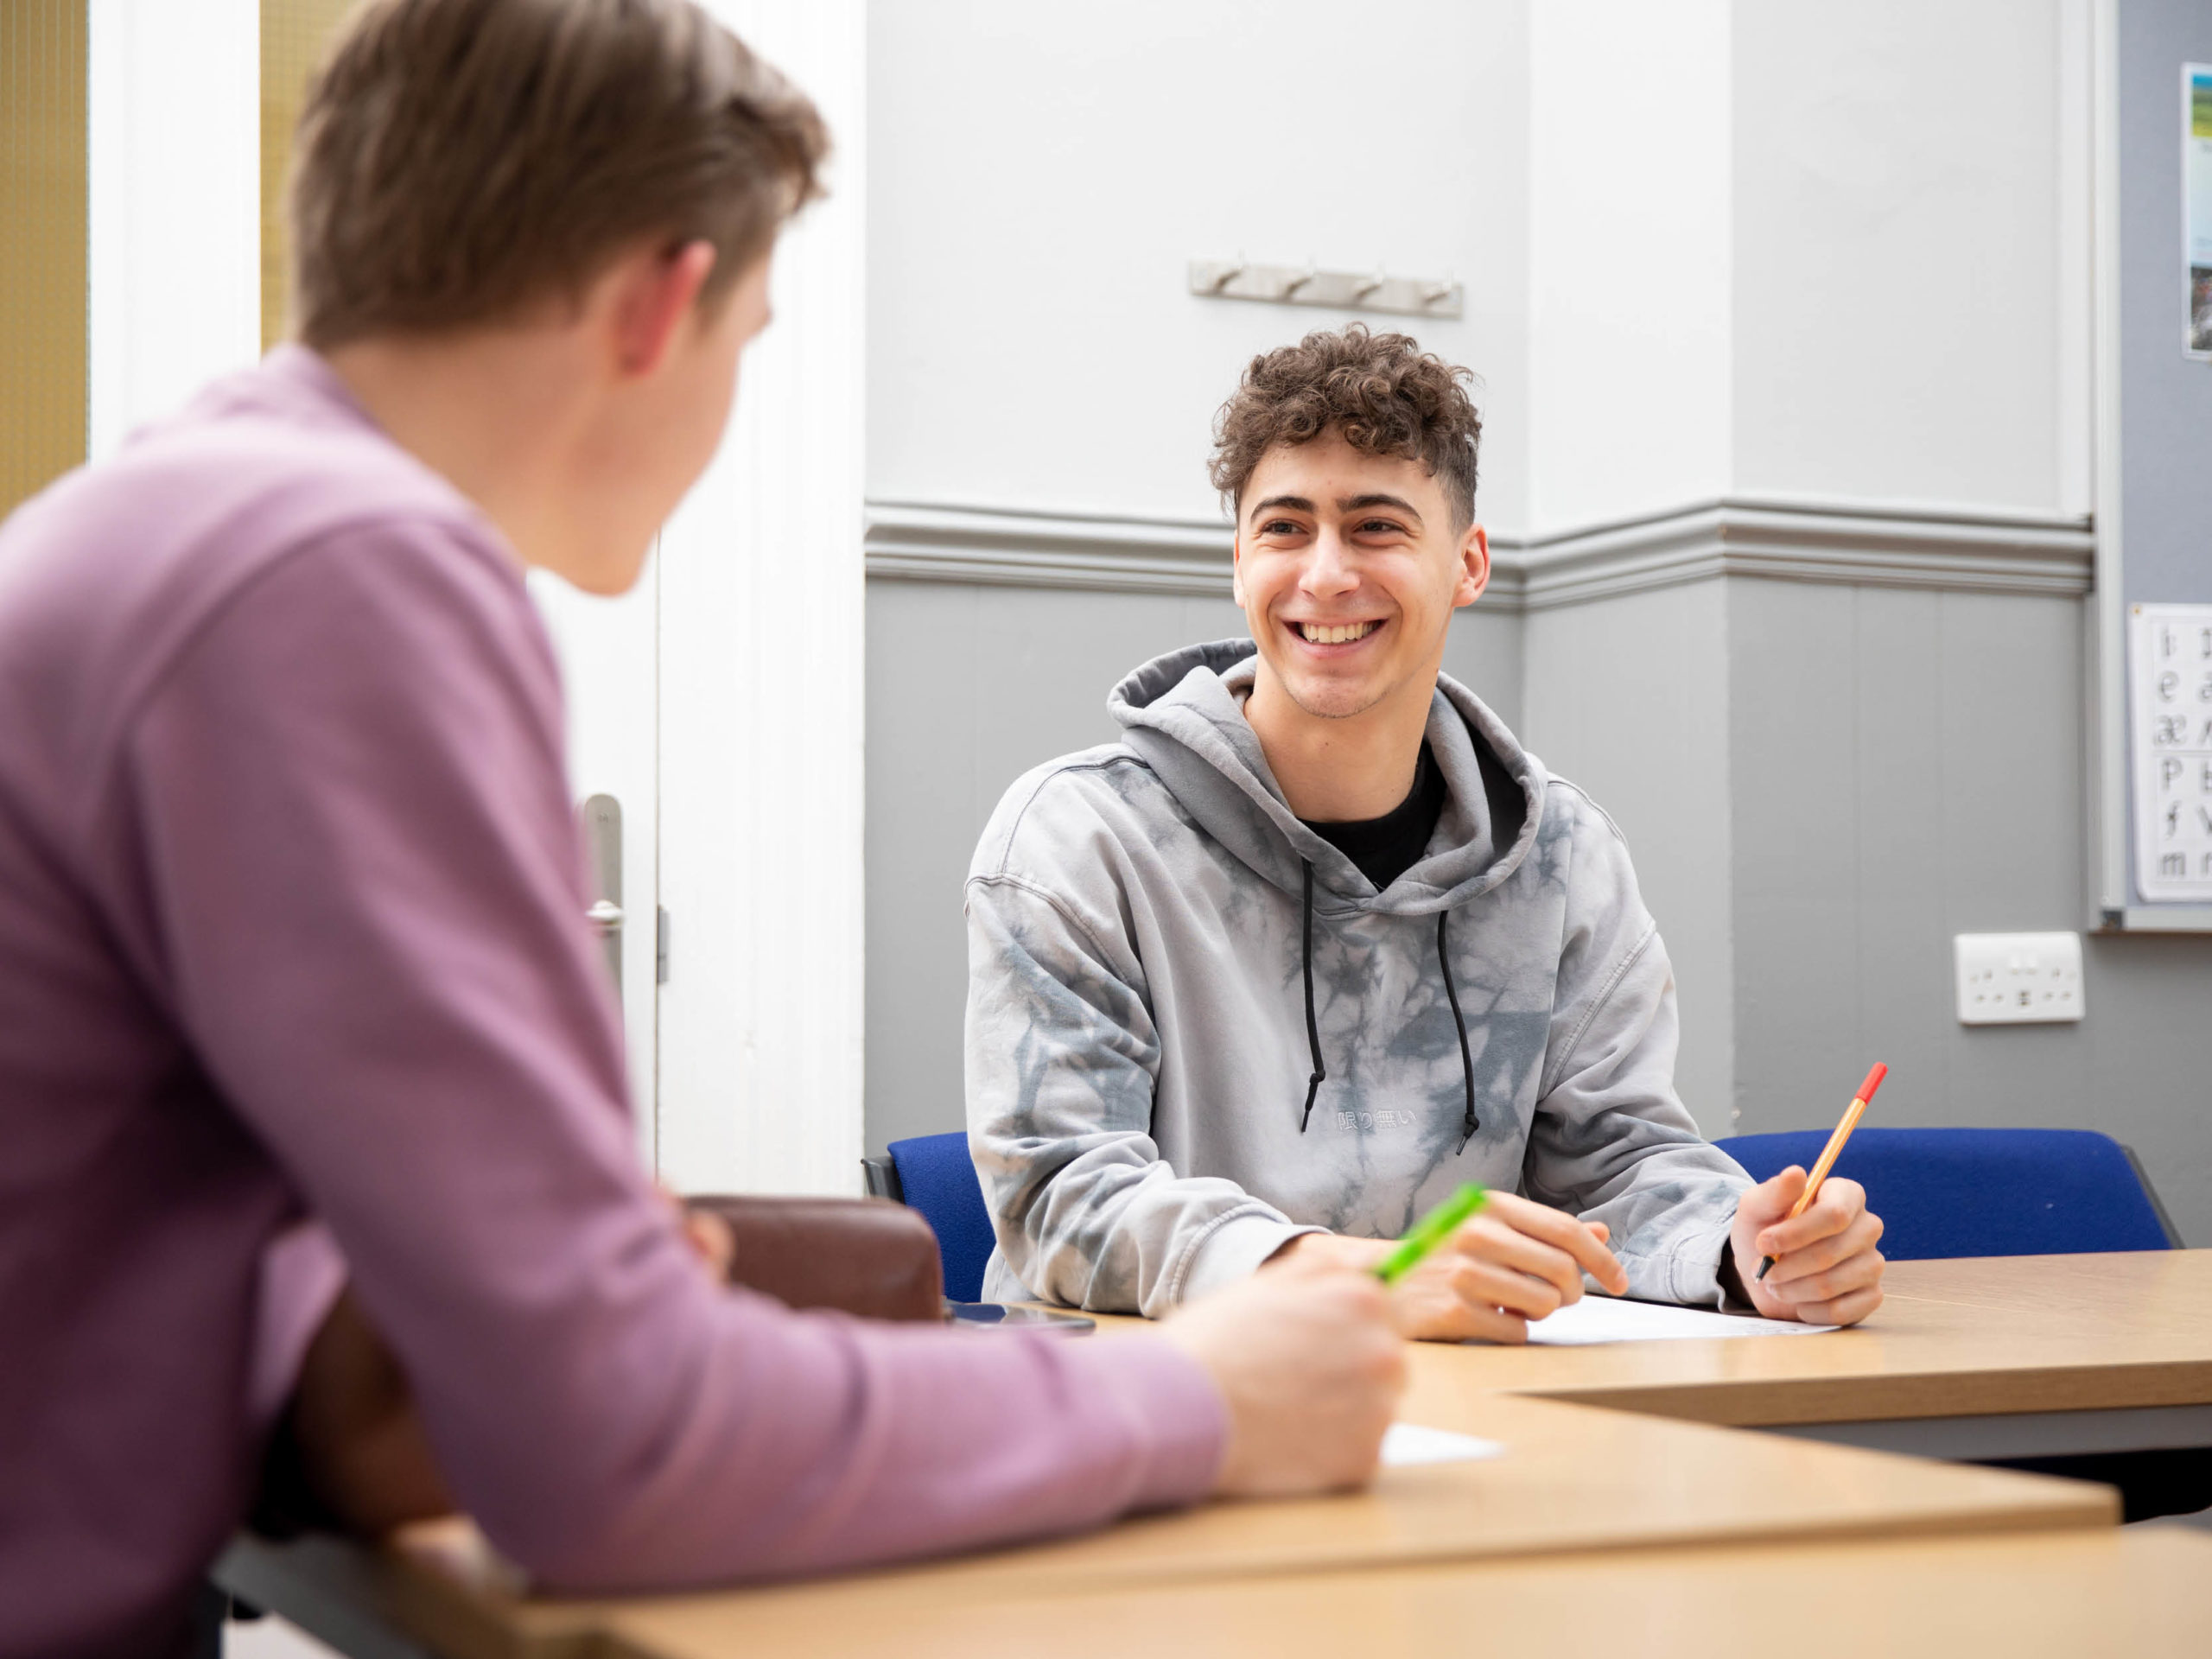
(1234, 1249)
(1317, 1244)
(1733, 1289)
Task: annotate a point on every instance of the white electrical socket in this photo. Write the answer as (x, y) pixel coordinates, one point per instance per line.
(2014, 979)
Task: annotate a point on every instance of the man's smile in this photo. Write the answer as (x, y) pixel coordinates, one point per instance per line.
(1326, 634)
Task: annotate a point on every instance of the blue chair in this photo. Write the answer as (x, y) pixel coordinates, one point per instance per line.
(1953, 1192)
(933, 1174)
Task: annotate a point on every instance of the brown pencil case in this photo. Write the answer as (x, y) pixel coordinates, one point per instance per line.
(868, 1256)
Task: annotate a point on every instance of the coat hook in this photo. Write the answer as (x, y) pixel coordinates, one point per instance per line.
(1374, 291)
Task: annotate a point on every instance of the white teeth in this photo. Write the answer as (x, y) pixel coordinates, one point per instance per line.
(1316, 633)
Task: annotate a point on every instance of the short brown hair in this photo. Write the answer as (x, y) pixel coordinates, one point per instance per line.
(459, 161)
(1380, 393)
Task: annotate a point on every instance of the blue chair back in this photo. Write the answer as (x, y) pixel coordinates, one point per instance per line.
(1953, 1192)
(938, 1178)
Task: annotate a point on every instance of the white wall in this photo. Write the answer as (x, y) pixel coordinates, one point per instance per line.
(1901, 256)
(1044, 173)
(1628, 248)
(1772, 247)
(174, 125)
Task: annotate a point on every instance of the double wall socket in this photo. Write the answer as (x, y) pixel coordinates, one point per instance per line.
(2015, 979)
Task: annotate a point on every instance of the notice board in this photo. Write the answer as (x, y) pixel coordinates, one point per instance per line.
(2153, 690)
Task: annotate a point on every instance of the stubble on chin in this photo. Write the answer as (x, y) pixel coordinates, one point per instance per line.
(1332, 703)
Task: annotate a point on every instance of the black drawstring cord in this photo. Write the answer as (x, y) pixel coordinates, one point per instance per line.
(1466, 1059)
(1312, 1030)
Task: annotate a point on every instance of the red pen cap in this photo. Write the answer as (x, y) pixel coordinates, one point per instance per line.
(1873, 1082)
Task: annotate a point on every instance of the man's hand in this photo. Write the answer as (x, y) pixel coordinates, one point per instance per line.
(1310, 1368)
(1825, 1270)
(707, 1233)
(1515, 1261)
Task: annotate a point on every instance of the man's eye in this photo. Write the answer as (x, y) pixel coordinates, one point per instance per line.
(1381, 527)
(1278, 527)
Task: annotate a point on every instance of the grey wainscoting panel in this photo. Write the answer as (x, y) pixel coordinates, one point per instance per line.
(1627, 697)
(1909, 766)
(1486, 652)
(969, 685)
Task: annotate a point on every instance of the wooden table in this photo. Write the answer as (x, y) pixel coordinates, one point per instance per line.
(2138, 1592)
(2142, 1591)
(2000, 1358)
(1661, 1489)
(1575, 1480)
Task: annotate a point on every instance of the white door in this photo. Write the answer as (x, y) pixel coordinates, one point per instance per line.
(609, 654)
(762, 638)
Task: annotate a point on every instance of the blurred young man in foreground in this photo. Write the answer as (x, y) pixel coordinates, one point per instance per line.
(295, 992)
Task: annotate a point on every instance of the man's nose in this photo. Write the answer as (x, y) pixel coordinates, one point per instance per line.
(1328, 569)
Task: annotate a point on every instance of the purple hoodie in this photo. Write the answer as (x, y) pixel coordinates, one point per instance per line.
(295, 983)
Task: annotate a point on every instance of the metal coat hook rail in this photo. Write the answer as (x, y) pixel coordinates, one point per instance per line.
(1334, 290)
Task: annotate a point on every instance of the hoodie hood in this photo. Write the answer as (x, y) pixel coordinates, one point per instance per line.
(1182, 713)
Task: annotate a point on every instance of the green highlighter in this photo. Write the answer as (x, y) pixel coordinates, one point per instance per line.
(1431, 1230)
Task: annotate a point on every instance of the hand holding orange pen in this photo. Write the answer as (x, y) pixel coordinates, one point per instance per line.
(1833, 1150)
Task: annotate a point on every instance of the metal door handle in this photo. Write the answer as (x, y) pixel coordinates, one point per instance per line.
(603, 828)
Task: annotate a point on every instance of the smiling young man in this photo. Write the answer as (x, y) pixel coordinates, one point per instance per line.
(1319, 940)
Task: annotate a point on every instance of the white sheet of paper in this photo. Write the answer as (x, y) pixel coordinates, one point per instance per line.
(1605, 1319)
(1410, 1443)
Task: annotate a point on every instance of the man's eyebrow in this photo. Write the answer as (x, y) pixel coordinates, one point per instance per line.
(1295, 503)
(1355, 503)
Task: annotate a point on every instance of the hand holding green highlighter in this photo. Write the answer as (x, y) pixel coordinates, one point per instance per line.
(1431, 1230)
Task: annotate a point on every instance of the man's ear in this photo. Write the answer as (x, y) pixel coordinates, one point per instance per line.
(1237, 568)
(1474, 567)
(653, 295)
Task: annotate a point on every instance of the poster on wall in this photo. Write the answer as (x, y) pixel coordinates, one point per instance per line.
(2197, 200)
(2170, 659)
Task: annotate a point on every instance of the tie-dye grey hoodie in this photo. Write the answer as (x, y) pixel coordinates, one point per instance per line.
(1138, 1041)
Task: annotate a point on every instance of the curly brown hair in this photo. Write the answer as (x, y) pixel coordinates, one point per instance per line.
(1382, 393)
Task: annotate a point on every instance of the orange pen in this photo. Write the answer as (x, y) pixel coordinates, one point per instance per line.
(1835, 1149)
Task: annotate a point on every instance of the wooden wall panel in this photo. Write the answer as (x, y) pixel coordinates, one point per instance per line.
(43, 206)
(293, 35)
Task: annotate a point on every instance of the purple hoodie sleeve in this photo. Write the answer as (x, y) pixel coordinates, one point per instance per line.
(342, 821)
